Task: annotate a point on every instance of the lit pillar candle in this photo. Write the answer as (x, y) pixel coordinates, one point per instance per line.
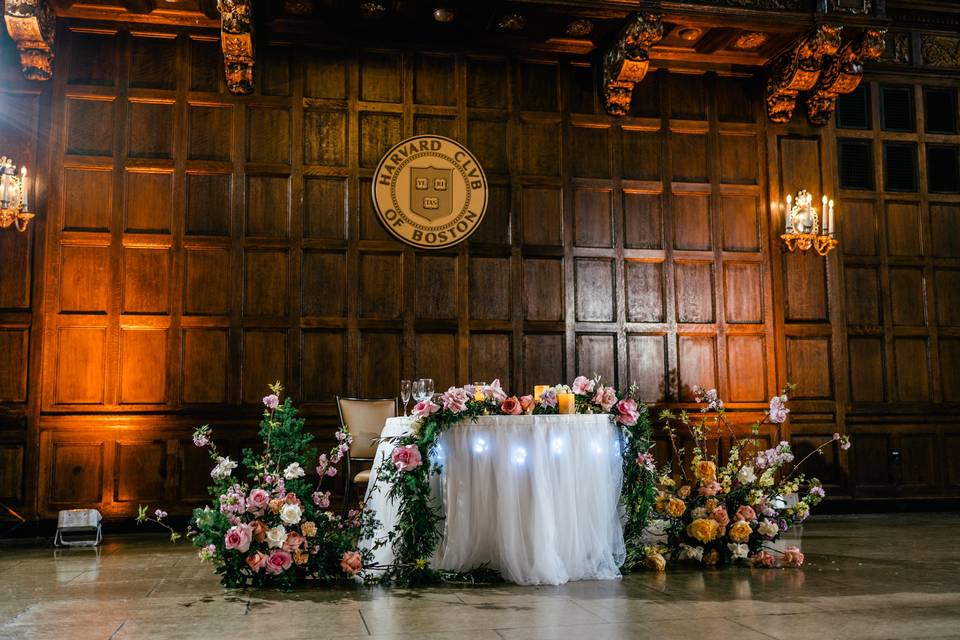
(23, 188)
(786, 215)
(566, 402)
(833, 229)
(538, 391)
(478, 395)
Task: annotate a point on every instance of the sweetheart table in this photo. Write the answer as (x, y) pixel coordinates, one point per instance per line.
(534, 497)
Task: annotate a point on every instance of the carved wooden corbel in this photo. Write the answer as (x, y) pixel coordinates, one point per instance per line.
(798, 69)
(626, 62)
(843, 74)
(31, 25)
(236, 40)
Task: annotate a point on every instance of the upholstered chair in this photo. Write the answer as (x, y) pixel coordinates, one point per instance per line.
(365, 418)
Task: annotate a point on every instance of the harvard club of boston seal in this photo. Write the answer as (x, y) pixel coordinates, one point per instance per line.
(430, 192)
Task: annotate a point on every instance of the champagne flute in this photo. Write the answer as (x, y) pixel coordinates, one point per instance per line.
(418, 390)
(405, 394)
(428, 388)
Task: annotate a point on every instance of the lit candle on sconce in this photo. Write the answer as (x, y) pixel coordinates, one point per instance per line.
(786, 215)
(23, 189)
(566, 402)
(833, 230)
(823, 215)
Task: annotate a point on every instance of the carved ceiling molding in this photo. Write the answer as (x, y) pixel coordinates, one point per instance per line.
(626, 62)
(940, 51)
(798, 69)
(843, 74)
(236, 40)
(31, 25)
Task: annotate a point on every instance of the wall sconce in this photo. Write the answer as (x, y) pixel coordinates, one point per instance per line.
(806, 228)
(14, 206)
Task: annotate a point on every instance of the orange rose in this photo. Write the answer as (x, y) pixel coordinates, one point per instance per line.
(703, 529)
(676, 507)
(684, 491)
(259, 530)
(275, 506)
(705, 470)
(300, 557)
(740, 531)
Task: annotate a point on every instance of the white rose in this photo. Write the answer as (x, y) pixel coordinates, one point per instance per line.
(746, 475)
(768, 528)
(276, 537)
(294, 470)
(738, 550)
(290, 513)
(691, 553)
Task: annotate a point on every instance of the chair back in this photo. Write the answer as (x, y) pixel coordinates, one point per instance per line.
(365, 418)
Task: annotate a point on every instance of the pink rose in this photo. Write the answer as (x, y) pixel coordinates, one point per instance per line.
(238, 537)
(293, 541)
(271, 401)
(792, 557)
(606, 397)
(258, 501)
(746, 513)
(511, 406)
(351, 563)
(526, 402)
(424, 409)
(720, 515)
(256, 561)
(278, 562)
(406, 458)
(583, 386)
(710, 489)
(763, 560)
(455, 399)
(627, 410)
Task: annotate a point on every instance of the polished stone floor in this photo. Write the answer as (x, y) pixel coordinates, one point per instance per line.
(873, 576)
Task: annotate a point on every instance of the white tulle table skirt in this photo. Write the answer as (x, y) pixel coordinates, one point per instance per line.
(535, 497)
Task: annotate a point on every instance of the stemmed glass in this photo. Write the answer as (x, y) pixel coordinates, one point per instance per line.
(405, 394)
(428, 388)
(418, 394)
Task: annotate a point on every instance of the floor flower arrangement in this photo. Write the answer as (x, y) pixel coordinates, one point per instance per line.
(273, 527)
(732, 511)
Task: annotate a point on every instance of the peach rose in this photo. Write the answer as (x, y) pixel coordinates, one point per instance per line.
(256, 561)
(291, 498)
(309, 529)
(763, 560)
(293, 541)
(511, 406)
(676, 507)
(703, 529)
(746, 513)
(351, 563)
(275, 506)
(740, 531)
(526, 402)
(300, 557)
(705, 470)
(684, 491)
(657, 562)
(720, 516)
(710, 489)
(259, 530)
(792, 557)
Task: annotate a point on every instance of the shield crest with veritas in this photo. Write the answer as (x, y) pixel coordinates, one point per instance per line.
(431, 192)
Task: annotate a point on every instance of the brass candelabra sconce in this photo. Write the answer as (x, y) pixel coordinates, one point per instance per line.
(807, 228)
(14, 204)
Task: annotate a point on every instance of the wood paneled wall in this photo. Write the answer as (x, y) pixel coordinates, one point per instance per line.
(199, 245)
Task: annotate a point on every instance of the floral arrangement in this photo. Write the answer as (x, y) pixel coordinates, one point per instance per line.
(408, 472)
(274, 527)
(732, 512)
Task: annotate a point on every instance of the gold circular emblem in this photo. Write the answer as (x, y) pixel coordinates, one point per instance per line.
(430, 192)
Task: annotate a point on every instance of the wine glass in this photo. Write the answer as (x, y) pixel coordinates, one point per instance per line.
(428, 388)
(418, 387)
(405, 394)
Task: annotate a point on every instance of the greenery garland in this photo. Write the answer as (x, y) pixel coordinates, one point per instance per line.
(419, 527)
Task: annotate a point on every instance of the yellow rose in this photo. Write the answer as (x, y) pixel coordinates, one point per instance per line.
(740, 531)
(661, 502)
(676, 507)
(704, 529)
(657, 562)
(705, 470)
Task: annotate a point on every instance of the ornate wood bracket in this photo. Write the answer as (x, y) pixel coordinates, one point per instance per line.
(236, 40)
(626, 62)
(843, 74)
(797, 69)
(31, 25)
